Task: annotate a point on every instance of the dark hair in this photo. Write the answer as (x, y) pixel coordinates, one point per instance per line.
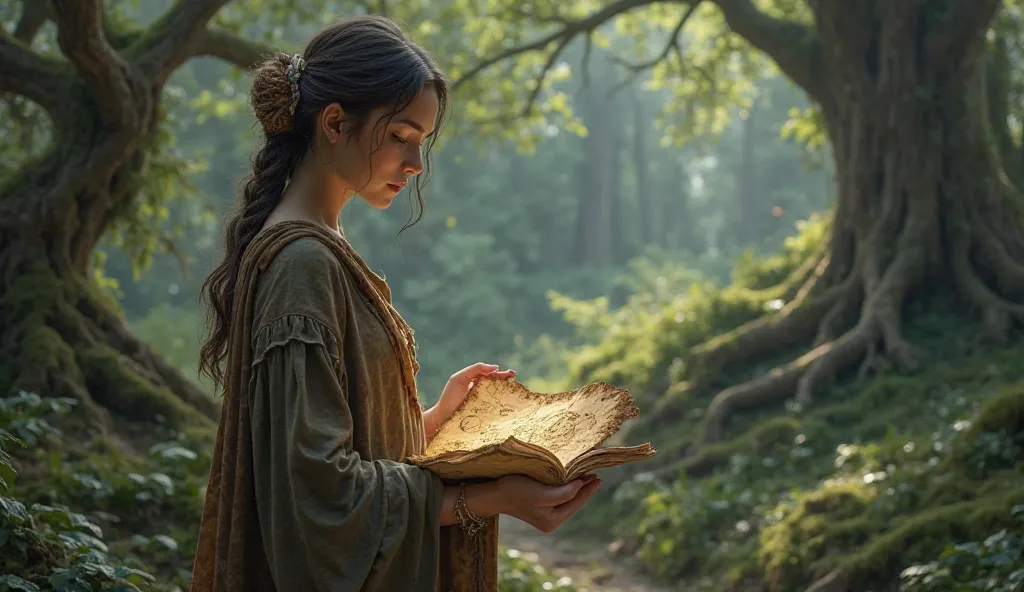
(362, 63)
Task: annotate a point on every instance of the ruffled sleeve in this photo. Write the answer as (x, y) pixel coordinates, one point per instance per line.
(329, 519)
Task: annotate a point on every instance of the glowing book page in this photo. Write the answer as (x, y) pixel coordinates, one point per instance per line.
(504, 428)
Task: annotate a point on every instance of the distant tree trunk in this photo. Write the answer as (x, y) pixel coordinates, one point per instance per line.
(621, 234)
(594, 241)
(678, 230)
(641, 168)
(922, 205)
(997, 78)
(60, 335)
(751, 204)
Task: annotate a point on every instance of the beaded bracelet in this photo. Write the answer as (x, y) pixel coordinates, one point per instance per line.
(470, 522)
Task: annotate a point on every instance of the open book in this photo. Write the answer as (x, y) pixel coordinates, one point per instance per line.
(502, 428)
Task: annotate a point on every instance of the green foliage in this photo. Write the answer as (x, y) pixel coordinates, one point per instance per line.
(870, 479)
(800, 495)
(646, 343)
(991, 565)
(50, 547)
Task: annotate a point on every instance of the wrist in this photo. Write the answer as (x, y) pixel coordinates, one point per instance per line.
(430, 423)
(435, 416)
(485, 499)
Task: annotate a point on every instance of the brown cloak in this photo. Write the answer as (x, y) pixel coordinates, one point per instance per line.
(308, 487)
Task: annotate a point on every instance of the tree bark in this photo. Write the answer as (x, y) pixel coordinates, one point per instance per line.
(60, 335)
(922, 208)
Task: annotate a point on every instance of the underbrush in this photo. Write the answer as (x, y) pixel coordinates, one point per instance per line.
(58, 529)
(912, 482)
(924, 478)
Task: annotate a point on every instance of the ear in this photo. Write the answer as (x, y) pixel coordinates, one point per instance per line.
(332, 122)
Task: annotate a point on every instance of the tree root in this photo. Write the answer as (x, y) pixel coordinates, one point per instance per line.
(880, 319)
(782, 382)
(838, 317)
(59, 338)
(997, 314)
(147, 361)
(1006, 271)
(835, 581)
(795, 323)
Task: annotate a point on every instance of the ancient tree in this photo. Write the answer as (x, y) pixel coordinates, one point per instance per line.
(924, 205)
(60, 335)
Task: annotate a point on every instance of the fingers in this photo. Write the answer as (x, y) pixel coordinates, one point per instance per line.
(469, 373)
(555, 496)
(565, 511)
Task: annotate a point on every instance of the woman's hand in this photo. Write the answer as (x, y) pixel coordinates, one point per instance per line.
(543, 506)
(455, 392)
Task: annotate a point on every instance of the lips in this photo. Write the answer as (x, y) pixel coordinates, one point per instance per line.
(396, 186)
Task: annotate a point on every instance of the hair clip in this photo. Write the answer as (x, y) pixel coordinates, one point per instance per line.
(292, 73)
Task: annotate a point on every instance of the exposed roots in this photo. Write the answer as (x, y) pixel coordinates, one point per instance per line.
(835, 581)
(60, 338)
(997, 314)
(796, 323)
(782, 382)
(876, 343)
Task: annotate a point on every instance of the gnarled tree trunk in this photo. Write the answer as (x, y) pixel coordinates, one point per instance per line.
(60, 335)
(923, 207)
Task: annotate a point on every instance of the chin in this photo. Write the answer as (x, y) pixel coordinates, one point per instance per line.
(379, 201)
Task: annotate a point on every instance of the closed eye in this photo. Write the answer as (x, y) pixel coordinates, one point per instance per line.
(400, 139)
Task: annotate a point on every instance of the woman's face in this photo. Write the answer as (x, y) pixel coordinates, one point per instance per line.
(378, 162)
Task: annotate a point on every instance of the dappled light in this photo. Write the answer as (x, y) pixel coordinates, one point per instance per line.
(782, 239)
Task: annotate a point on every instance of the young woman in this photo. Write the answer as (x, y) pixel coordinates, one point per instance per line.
(308, 489)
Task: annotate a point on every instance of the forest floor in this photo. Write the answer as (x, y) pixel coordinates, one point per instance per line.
(591, 566)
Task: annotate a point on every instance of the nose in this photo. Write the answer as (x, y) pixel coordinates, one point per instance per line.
(414, 163)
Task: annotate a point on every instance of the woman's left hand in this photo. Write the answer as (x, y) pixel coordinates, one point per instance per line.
(455, 392)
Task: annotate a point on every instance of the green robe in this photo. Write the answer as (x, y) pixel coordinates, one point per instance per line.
(326, 502)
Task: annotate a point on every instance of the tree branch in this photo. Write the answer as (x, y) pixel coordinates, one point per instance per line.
(794, 47)
(568, 31)
(234, 50)
(81, 40)
(962, 22)
(539, 80)
(172, 40)
(672, 44)
(26, 73)
(33, 15)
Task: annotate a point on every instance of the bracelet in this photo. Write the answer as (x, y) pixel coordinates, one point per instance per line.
(470, 522)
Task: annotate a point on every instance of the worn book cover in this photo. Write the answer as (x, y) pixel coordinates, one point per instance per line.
(503, 428)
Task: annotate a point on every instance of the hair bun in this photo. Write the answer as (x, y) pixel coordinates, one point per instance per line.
(272, 97)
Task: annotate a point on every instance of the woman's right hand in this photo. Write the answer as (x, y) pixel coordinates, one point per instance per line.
(543, 506)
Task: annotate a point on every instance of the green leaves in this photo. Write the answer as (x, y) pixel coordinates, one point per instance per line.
(12, 583)
(991, 565)
(13, 511)
(48, 547)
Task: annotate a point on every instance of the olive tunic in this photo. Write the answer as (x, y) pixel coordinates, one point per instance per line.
(325, 501)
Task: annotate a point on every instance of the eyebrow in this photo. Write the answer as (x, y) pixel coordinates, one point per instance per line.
(413, 125)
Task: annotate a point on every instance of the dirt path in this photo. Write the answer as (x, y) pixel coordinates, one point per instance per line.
(592, 568)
